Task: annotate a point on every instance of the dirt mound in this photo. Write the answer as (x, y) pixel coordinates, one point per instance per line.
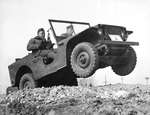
(63, 100)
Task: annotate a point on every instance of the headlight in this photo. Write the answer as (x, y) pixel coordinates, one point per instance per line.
(124, 36)
(100, 31)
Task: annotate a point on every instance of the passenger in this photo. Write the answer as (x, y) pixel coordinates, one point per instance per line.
(69, 31)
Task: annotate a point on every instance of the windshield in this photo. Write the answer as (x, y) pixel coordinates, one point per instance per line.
(61, 28)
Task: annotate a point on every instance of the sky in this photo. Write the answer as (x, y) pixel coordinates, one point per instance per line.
(20, 20)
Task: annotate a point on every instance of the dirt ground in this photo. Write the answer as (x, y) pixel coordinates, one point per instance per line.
(63, 100)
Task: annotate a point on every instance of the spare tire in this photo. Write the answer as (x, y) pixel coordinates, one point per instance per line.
(84, 59)
(129, 64)
(27, 81)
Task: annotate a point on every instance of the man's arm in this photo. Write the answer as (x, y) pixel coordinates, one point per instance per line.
(33, 44)
(49, 44)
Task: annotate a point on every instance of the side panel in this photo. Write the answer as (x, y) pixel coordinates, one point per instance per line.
(16, 66)
(36, 65)
(40, 69)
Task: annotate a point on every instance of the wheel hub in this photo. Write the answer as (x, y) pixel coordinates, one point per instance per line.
(83, 59)
(27, 85)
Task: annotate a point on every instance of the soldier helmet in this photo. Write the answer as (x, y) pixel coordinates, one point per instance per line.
(40, 29)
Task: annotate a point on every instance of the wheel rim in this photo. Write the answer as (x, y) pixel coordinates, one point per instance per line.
(83, 59)
(27, 85)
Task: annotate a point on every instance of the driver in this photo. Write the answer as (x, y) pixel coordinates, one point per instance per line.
(38, 42)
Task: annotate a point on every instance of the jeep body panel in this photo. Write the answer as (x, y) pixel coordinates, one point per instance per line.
(35, 64)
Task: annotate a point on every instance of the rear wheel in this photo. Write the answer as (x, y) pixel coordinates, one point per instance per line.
(84, 59)
(27, 81)
(126, 66)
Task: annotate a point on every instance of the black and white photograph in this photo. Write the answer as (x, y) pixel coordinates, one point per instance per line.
(74, 57)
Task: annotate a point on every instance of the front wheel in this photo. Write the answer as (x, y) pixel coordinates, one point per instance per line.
(84, 59)
(126, 66)
(27, 81)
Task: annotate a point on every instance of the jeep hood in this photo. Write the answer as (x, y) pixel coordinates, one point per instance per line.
(114, 30)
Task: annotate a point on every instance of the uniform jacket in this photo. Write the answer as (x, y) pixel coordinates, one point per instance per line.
(36, 43)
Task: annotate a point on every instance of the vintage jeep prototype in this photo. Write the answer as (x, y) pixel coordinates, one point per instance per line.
(78, 55)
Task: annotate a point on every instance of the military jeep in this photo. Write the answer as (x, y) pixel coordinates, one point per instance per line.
(76, 56)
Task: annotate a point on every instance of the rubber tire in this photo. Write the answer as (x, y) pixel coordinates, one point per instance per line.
(93, 59)
(27, 77)
(128, 67)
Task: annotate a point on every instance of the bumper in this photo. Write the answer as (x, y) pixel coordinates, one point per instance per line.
(113, 48)
(108, 42)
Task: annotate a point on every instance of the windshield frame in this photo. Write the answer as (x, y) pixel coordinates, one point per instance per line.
(64, 21)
